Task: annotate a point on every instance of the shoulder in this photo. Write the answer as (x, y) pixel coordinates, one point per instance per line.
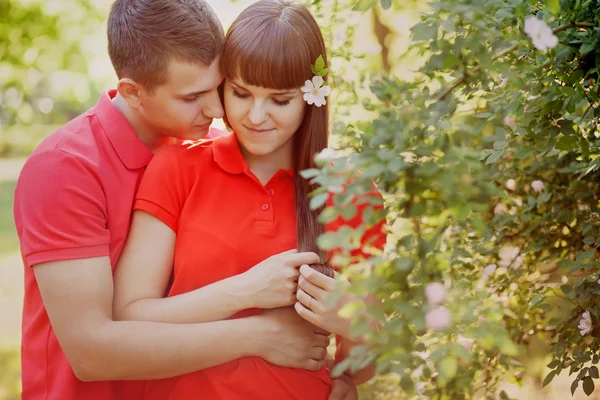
(74, 141)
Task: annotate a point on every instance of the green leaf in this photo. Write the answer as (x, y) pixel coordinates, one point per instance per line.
(407, 385)
(495, 156)
(566, 143)
(500, 145)
(549, 378)
(589, 240)
(585, 147)
(574, 386)
(318, 200)
(309, 173)
(553, 6)
(588, 385)
(587, 47)
(322, 72)
(566, 289)
(385, 4)
(448, 367)
(594, 372)
(423, 31)
(363, 5)
(319, 64)
(328, 241)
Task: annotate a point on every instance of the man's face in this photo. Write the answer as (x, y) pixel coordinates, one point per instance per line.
(185, 106)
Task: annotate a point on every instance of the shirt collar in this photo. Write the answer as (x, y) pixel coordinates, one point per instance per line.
(228, 156)
(131, 150)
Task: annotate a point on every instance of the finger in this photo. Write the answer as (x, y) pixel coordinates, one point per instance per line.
(317, 278)
(306, 314)
(303, 258)
(314, 365)
(314, 291)
(322, 341)
(291, 251)
(318, 353)
(329, 362)
(291, 273)
(339, 390)
(309, 302)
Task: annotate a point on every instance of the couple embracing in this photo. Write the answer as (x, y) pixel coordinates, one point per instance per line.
(213, 286)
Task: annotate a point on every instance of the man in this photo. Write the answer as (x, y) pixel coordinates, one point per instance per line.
(72, 212)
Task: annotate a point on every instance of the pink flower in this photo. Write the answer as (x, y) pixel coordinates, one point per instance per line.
(511, 184)
(510, 121)
(489, 270)
(467, 343)
(510, 257)
(438, 319)
(435, 293)
(585, 323)
(537, 186)
(499, 209)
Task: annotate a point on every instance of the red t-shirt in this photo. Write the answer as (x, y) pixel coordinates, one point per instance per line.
(226, 222)
(73, 200)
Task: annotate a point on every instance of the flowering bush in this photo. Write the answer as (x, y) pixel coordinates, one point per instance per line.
(488, 163)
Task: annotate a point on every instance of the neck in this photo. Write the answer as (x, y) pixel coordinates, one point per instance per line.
(152, 139)
(266, 166)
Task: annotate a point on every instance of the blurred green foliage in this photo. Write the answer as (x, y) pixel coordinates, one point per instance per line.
(8, 238)
(47, 51)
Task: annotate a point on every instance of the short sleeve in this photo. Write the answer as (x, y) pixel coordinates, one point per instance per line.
(161, 192)
(374, 235)
(60, 210)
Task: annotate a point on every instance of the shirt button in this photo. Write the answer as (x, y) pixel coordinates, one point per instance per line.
(271, 192)
(264, 207)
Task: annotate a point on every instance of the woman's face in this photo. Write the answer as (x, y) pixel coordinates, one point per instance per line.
(264, 120)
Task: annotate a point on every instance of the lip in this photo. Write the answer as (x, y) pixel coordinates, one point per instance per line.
(204, 126)
(257, 131)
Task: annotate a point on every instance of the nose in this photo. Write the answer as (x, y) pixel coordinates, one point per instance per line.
(257, 114)
(214, 108)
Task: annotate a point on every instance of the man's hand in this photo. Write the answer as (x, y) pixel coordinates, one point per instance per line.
(290, 341)
(343, 387)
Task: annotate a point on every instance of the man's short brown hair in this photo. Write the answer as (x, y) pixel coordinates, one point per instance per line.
(144, 35)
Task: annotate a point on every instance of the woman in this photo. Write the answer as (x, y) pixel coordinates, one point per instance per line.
(224, 207)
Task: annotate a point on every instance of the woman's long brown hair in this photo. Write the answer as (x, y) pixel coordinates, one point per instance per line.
(273, 44)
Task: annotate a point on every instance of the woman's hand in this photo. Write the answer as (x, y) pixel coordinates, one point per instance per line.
(313, 289)
(273, 282)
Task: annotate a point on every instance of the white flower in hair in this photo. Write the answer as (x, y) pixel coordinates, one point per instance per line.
(315, 92)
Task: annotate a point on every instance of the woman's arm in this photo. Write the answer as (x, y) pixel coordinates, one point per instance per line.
(144, 271)
(146, 266)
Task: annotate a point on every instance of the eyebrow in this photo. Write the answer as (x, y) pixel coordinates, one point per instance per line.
(196, 93)
(287, 92)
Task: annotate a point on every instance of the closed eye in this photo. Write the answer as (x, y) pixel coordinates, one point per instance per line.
(239, 95)
(281, 103)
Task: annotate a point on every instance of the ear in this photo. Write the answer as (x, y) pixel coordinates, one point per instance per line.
(131, 91)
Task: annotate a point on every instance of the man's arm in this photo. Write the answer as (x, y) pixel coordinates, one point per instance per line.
(78, 297)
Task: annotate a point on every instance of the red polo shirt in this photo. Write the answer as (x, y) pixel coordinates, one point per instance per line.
(226, 222)
(73, 200)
